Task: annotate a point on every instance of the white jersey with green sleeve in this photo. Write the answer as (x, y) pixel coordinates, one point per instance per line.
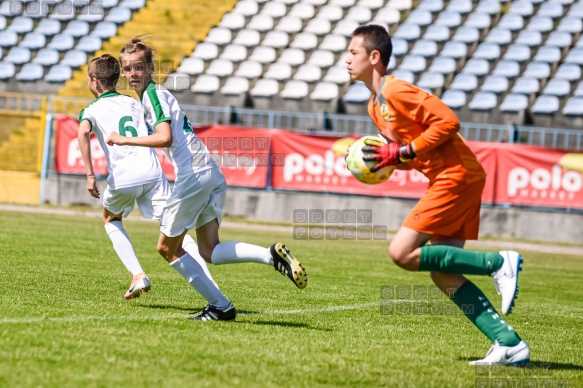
(187, 153)
(127, 165)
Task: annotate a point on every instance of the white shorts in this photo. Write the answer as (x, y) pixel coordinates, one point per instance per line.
(195, 201)
(150, 197)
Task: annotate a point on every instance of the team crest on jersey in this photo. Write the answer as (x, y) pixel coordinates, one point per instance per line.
(386, 112)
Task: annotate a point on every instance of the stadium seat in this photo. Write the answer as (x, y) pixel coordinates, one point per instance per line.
(570, 25)
(559, 39)
(405, 75)
(338, 75)
(495, 84)
(518, 52)
(387, 15)
(105, 30)
(557, 87)
(33, 41)
(133, 4)
(476, 66)
(501, 36)
(343, 3)
(442, 65)
(529, 38)
(11, 8)
(7, 70)
(538, 70)
(573, 107)
(59, 74)
(313, 2)
(487, 51)
(455, 99)
(413, 63)
(331, 13)
(575, 56)
(460, 7)
(232, 21)
(246, 8)
(77, 28)
(305, 41)
(308, 73)
(261, 23)
(47, 57)
(177, 82)
(93, 13)
(249, 69)
(345, 27)
(118, 15)
(508, 69)
(276, 39)
(293, 56)
(30, 72)
(235, 86)
(431, 81)
(294, 90)
(514, 103)
(465, 82)
(490, 7)
(408, 31)
(522, 8)
(289, 24)
(437, 34)
(485, 101)
(545, 104)
(18, 55)
(424, 48)
(89, 43)
(448, 19)
(234, 53)
(372, 4)
(220, 36)
(48, 27)
(74, 58)
(263, 54)
(400, 47)
(511, 22)
(220, 68)
(35, 10)
(420, 17)
(274, 9)
(401, 5)
(206, 51)
(466, 35)
(357, 93)
(432, 6)
(575, 11)
(359, 14)
(63, 12)
(303, 11)
(265, 87)
(480, 21)
(279, 71)
(569, 71)
(191, 66)
(8, 38)
(540, 23)
(550, 9)
(250, 38)
(318, 27)
(454, 50)
(325, 91)
(334, 43)
(527, 86)
(321, 58)
(205, 84)
(548, 54)
(21, 25)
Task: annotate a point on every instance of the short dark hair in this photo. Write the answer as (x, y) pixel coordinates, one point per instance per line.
(376, 37)
(105, 68)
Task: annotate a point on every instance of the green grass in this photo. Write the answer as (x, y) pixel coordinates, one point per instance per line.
(64, 322)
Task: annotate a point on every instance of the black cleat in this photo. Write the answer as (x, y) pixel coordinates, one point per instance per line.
(211, 313)
(287, 265)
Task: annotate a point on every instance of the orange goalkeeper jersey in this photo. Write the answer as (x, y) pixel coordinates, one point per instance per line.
(406, 114)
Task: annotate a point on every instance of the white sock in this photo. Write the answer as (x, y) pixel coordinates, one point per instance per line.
(237, 252)
(123, 246)
(195, 276)
(189, 245)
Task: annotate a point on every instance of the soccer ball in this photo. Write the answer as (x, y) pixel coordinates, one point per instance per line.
(361, 169)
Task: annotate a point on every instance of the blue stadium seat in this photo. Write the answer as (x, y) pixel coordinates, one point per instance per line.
(466, 35)
(30, 72)
(49, 27)
(18, 55)
(400, 47)
(118, 15)
(456, 50)
(501, 36)
(569, 71)
(487, 51)
(77, 28)
(89, 43)
(133, 4)
(388, 15)
(33, 41)
(7, 70)
(63, 11)
(571, 25)
(413, 63)
(437, 33)
(92, 13)
(550, 9)
(541, 23)
(36, 10)
(476, 66)
(538, 70)
(61, 42)
(508, 69)
(432, 81)
(579, 90)
(432, 6)
(518, 52)
(460, 6)
(522, 8)
(408, 31)
(443, 65)
(529, 38)
(21, 25)
(481, 21)
(47, 57)
(420, 17)
(448, 19)
(490, 7)
(424, 48)
(559, 39)
(575, 56)
(512, 22)
(549, 54)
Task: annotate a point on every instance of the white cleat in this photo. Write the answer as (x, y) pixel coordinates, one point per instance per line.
(506, 279)
(505, 355)
(138, 286)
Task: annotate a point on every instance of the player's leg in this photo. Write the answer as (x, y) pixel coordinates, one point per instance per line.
(116, 205)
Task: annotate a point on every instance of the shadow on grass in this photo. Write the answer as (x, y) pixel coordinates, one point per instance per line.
(284, 324)
(535, 368)
(191, 310)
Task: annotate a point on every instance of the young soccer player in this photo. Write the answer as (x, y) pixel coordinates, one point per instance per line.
(135, 175)
(200, 187)
(422, 133)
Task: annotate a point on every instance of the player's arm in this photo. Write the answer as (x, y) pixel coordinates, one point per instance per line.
(162, 137)
(85, 148)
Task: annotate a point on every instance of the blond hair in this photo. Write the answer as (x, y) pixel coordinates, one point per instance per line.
(136, 45)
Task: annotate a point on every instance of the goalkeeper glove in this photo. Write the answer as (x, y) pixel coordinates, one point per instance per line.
(386, 154)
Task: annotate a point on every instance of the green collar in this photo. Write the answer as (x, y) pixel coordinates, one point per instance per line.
(150, 84)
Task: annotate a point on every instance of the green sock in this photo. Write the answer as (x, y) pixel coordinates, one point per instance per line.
(474, 304)
(447, 259)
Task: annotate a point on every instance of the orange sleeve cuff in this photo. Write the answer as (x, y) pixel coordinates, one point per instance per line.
(420, 144)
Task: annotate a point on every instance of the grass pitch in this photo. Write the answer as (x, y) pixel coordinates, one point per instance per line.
(64, 321)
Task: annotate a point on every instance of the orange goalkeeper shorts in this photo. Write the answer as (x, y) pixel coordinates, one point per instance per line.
(449, 210)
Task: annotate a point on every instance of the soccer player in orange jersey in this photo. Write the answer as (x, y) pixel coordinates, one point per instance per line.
(422, 133)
